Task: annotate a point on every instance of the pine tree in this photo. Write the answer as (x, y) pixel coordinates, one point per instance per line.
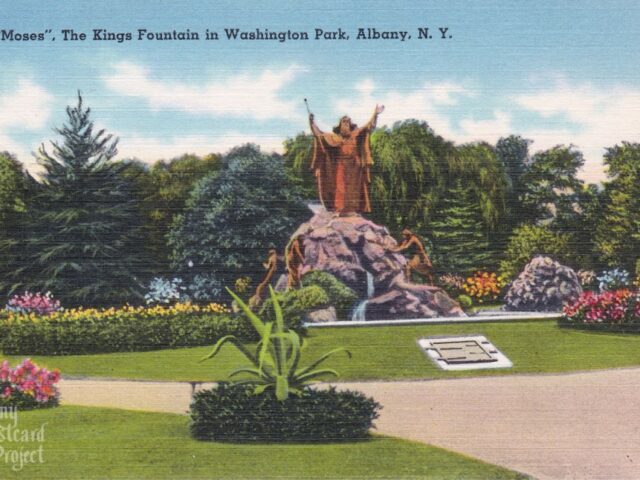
(459, 240)
(85, 237)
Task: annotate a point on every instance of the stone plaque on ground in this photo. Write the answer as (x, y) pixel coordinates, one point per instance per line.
(465, 352)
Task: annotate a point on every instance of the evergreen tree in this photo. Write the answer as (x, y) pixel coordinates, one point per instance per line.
(85, 243)
(459, 237)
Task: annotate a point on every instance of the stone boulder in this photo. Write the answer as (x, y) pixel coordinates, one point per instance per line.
(543, 286)
(355, 250)
(322, 315)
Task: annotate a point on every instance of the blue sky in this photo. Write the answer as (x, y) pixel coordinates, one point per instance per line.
(555, 72)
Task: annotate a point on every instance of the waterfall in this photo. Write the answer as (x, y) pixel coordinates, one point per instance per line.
(359, 313)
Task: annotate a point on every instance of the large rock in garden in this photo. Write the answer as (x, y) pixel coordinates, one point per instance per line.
(355, 250)
(543, 286)
(411, 300)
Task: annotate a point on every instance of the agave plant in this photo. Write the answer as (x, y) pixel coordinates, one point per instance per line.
(275, 362)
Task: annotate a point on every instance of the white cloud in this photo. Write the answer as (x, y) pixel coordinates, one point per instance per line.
(8, 144)
(149, 149)
(488, 129)
(426, 103)
(28, 107)
(245, 95)
(585, 116)
(421, 104)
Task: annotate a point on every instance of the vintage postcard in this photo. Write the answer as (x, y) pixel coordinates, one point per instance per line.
(319, 240)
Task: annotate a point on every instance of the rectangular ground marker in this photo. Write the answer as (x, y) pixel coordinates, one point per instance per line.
(465, 352)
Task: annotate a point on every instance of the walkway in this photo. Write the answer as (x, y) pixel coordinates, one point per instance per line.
(581, 425)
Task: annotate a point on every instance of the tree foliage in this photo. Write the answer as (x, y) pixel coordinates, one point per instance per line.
(528, 241)
(513, 153)
(16, 190)
(162, 191)
(297, 161)
(618, 233)
(459, 237)
(232, 218)
(550, 185)
(85, 240)
(408, 176)
(482, 173)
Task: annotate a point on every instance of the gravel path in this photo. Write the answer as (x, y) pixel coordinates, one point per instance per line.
(581, 425)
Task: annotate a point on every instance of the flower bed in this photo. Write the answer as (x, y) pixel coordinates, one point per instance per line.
(81, 331)
(615, 310)
(41, 304)
(484, 286)
(28, 386)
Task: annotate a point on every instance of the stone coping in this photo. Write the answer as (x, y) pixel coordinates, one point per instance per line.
(481, 317)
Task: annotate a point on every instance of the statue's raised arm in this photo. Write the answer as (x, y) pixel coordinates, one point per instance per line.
(371, 124)
(314, 128)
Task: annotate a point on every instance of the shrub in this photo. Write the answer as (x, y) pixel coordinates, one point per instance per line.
(613, 310)
(33, 303)
(613, 279)
(465, 301)
(28, 386)
(529, 241)
(340, 296)
(234, 413)
(296, 304)
(484, 286)
(164, 291)
(128, 329)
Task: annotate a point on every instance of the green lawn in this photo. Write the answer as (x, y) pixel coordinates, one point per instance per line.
(381, 353)
(85, 443)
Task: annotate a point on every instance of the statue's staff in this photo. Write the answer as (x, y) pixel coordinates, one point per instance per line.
(318, 181)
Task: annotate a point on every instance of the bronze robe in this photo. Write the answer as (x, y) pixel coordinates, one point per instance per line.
(341, 165)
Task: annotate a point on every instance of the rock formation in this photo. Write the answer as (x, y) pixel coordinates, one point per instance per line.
(354, 250)
(543, 286)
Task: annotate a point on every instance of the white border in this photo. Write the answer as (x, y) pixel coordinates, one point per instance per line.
(478, 318)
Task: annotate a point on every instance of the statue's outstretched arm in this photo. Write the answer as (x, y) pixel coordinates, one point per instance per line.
(371, 124)
(314, 128)
(403, 246)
